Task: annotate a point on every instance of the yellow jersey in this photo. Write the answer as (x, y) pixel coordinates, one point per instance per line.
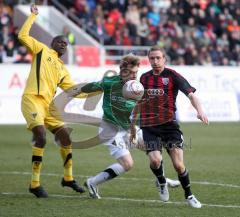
(47, 70)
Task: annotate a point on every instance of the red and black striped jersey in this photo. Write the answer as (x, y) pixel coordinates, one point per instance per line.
(158, 106)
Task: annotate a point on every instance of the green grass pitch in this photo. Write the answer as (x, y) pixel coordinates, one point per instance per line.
(212, 156)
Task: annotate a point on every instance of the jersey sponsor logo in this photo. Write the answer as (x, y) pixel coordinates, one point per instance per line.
(165, 81)
(34, 115)
(56, 65)
(155, 92)
(118, 98)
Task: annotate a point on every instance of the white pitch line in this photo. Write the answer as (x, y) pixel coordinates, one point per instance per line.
(125, 199)
(123, 178)
(217, 184)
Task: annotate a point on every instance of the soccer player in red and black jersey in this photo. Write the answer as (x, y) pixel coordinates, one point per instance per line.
(158, 120)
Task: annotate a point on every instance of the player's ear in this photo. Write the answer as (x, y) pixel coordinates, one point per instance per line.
(52, 43)
(125, 73)
(165, 59)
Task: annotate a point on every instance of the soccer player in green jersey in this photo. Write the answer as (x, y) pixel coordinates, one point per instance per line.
(115, 123)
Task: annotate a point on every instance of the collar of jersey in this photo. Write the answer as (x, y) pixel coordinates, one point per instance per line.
(159, 74)
(56, 54)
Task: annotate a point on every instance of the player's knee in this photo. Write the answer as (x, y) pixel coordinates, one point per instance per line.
(39, 136)
(65, 141)
(39, 141)
(62, 137)
(128, 165)
(155, 163)
(179, 167)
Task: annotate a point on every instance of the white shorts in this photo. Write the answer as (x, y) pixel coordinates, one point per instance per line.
(115, 138)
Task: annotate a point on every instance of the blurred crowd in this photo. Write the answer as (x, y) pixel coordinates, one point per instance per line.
(193, 32)
(10, 49)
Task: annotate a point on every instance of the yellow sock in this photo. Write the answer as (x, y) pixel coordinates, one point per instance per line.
(37, 154)
(66, 153)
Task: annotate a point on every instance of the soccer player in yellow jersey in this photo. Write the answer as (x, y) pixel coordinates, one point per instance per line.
(47, 73)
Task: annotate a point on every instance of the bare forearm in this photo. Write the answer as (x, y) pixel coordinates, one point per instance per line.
(197, 105)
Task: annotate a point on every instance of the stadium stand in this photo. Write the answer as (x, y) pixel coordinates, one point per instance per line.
(193, 32)
(10, 49)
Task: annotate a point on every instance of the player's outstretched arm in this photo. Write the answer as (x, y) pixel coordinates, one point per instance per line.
(31, 43)
(196, 104)
(80, 90)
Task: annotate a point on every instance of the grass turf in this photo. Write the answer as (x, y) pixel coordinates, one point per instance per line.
(211, 156)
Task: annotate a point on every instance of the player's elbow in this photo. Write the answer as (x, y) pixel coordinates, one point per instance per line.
(191, 96)
(22, 37)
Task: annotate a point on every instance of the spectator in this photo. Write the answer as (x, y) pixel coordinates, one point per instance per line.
(154, 17)
(82, 11)
(109, 26)
(204, 23)
(69, 35)
(10, 53)
(23, 56)
(133, 15)
(126, 41)
(143, 30)
(100, 31)
(115, 15)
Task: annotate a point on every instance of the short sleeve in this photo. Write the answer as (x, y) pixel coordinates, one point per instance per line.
(183, 84)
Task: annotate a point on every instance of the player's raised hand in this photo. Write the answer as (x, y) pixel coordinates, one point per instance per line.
(34, 9)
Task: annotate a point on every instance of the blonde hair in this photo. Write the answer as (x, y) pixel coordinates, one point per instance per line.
(129, 61)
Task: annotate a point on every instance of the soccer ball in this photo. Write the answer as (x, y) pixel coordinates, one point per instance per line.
(133, 89)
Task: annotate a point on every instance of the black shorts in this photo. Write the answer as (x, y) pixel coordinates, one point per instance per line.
(167, 135)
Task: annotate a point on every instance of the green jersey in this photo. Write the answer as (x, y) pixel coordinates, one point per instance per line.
(116, 109)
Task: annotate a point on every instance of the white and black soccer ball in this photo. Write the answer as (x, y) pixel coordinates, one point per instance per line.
(133, 89)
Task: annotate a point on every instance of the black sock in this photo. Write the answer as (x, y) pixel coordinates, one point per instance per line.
(111, 173)
(185, 182)
(159, 174)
